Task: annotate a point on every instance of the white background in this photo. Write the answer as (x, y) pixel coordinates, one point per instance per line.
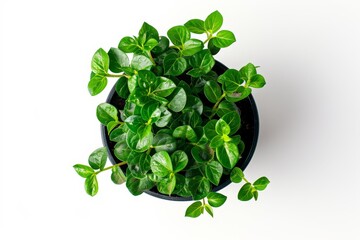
(309, 141)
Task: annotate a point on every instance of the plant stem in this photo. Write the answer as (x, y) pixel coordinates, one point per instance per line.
(107, 168)
(216, 105)
(117, 75)
(246, 180)
(209, 36)
(203, 201)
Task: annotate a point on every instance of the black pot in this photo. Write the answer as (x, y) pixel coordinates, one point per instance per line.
(249, 132)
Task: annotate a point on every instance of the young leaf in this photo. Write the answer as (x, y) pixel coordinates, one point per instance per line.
(231, 80)
(246, 192)
(209, 210)
(195, 26)
(233, 120)
(216, 199)
(247, 72)
(140, 141)
(192, 46)
(212, 91)
(257, 81)
(149, 31)
(117, 175)
(214, 22)
(228, 155)
(118, 59)
(83, 170)
(222, 127)
(128, 45)
(164, 142)
(217, 141)
(178, 35)
(96, 84)
(194, 210)
(185, 132)
(106, 113)
(167, 185)
(236, 175)
(161, 164)
(178, 100)
(111, 125)
(91, 185)
(164, 88)
(174, 65)
(140, 62)
(100, 62)
(214, 171)
(202, 63)
(97, 158)
(179, 160)
(261, 183)
(224, 38)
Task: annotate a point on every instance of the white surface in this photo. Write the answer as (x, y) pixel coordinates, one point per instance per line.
(309, 141)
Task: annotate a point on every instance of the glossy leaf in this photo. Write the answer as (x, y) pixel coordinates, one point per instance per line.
(225, 107)
(257, 81)
(106, 113)
(213, 22)
(178, 35)
(233, 120)
(164, 142)
(212, 48)
(165, 117)
(202, 63)
(246, 192)
(174, 65)
(118, 59)
(240, 95)
(122, 151)
(216, 199)
(140, 141)
(195, 26)
(138, 186)
(140, 62)
(146, 79)
(193, 103)
(202, 154)
(214, 171)
(217, 141)
(247, 72)
(222, 128)
(199, 187)
(100, 62)
(167, 185)
(236, 175)
(117, 175)
(134, 122)
(209, 210)
(164, 88)
(161, 164)
(111, 125)
(83, 170)
(132, 83)
(149, 31)
(91, 185)
(209, 129)
(261, 183)
(228, 155)
(179, 160)
(117, 135)
(224, 38)
(162, 45)
(178, 100)
(192, 46)
(185, 132)
(231, 80)
(121, 88)
(151, 111)
(128, 45)
(212, 91)
(194, 210)
(97, 158)
(96, 84)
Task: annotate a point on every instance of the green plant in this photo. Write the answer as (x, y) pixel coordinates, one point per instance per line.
(177, 131)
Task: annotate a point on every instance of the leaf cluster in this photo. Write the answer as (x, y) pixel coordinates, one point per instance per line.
(178, 130)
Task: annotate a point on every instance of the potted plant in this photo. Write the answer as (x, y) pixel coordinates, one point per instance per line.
(177, 124)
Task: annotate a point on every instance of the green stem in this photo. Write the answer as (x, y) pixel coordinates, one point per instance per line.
(246, 180)
(209, 36)
(216, 105)
(150, 57)
(117, 75)
(107, 168)
(203, 201)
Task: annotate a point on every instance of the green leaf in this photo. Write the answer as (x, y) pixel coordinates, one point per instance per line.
(257, 81)
(178, 35)
(233, 120)
(96, 84)
(111, 125)
(164, 142)
(161, 100)
(193, 104)
(91, 185)
(209, 129)
(148, 31)
(162, 45)
(178, 100)
(236, 175)
(202, 63)
(146, 79)
(192, 46)
(140, 62)
(174, 65)
(83, 170)
(212, 91)
(222, 127)
(117, 175)
(118, 59)
(150, 44)
(100, 62)
(121, 88)
(179, 160)
(164, 88)
(246, 192)
(209, 210)
(185, 132)
(256, 194)
(202, 154)
(199, 187)
(195, 26)
(194, 210)
(247, 72)
(117, 135)
(128, 45)
(138, 186)
(213, 22)
(122, 151)
(161, 164)
(134, 122)
(217, 141)
(167, 185)
(106, 113)
(214, 171)
(261, 183)
(224, 38)
(231, 80)
(212, 48)
(225, 107)
(97, 158)
(228, 155)
(216, 199)
(140, 141)
(238, 96)
(165, 117)
(132, 83)
(151, 111)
